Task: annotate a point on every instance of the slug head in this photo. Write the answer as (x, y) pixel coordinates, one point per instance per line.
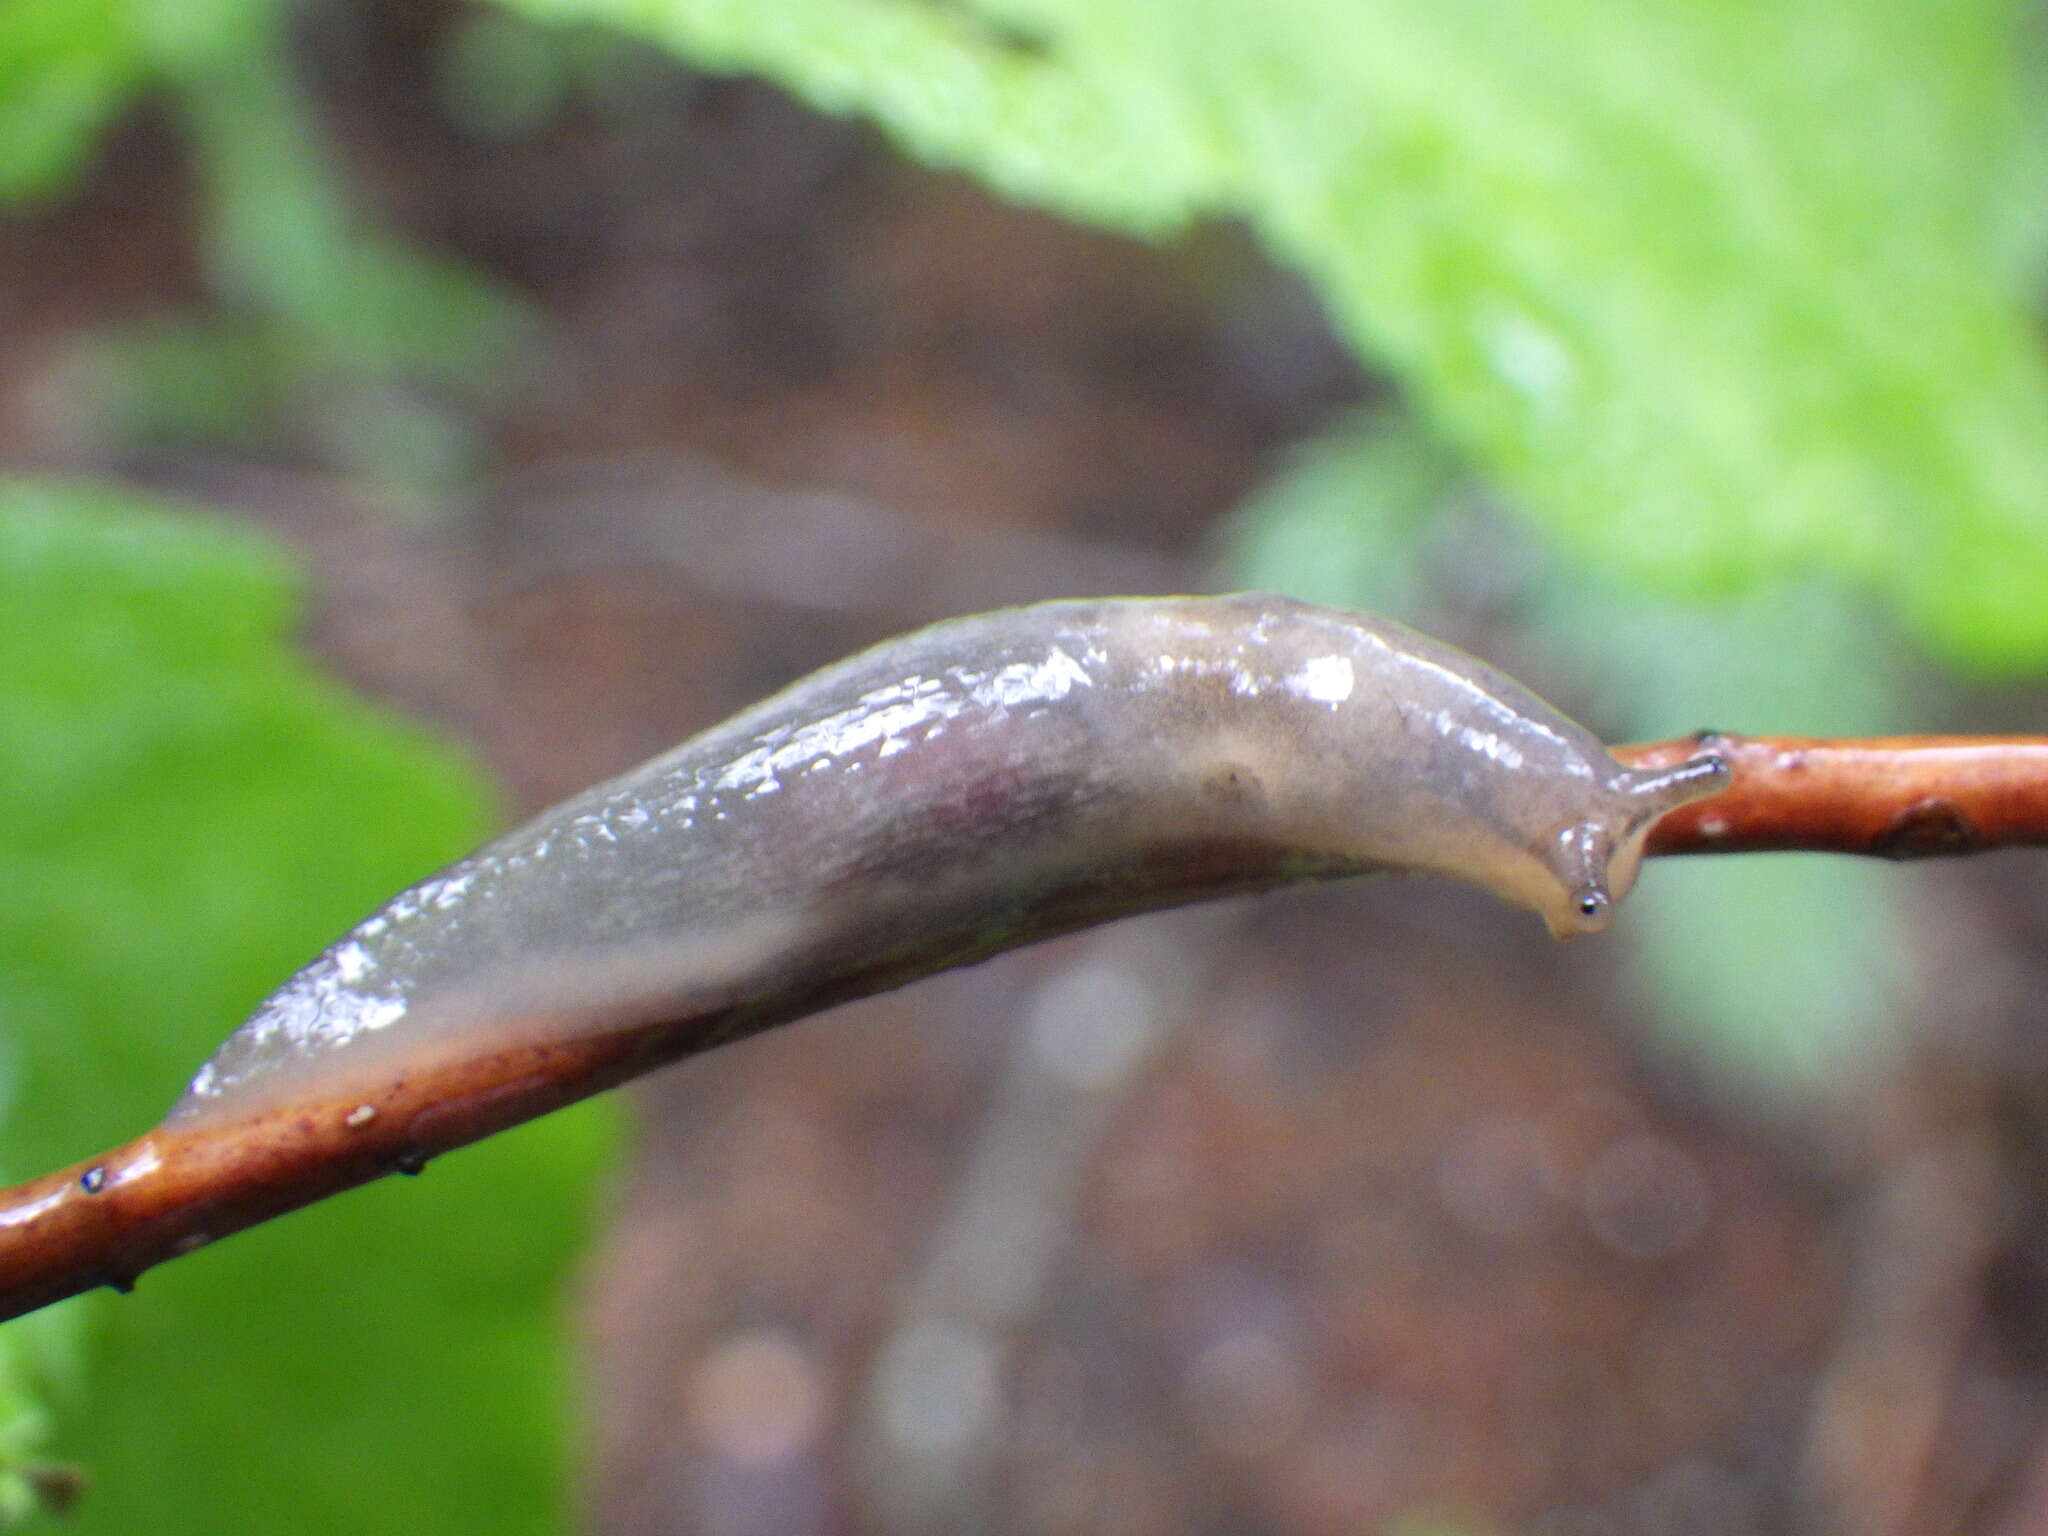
(1592, 863)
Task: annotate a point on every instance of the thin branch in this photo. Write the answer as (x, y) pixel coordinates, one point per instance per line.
(1889, 797)
(105, 1221)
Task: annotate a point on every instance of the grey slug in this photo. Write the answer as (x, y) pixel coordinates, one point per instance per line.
(959, 790)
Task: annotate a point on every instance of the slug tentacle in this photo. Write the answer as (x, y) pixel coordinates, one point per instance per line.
(969, 788)
(1665, 789)
(1586, 854)
(1597, 858)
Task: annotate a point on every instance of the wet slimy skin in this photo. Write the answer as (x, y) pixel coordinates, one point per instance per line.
(961, 790)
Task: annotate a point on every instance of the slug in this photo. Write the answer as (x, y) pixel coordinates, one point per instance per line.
(960, 791)
(976, 785)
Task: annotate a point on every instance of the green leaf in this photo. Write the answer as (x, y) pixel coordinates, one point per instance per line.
(66, 66)
(192, 812)
(1024, 100)
(1723, 292)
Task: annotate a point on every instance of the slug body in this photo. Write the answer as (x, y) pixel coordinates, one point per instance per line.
(976, 785)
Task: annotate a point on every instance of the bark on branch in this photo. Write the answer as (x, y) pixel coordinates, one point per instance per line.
(1889, 797)
(106, 1220)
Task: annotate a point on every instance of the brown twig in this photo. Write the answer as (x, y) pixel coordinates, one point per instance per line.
(1890, 797)
(107, 1220)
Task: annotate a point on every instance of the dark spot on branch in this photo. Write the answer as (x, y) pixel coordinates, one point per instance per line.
(1232, 785)
(93, 1180)
(412, 1164)
(58, 1487)
(1928, 828)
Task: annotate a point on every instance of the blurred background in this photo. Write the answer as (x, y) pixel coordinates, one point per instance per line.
(412, 412)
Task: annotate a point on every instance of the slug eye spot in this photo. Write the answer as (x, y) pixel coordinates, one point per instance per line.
(1591, 908)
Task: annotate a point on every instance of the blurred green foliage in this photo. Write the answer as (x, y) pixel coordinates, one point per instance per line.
(318, 328)
(38, 1367)
(192, 812)
(1721, 292)
(66, 66)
